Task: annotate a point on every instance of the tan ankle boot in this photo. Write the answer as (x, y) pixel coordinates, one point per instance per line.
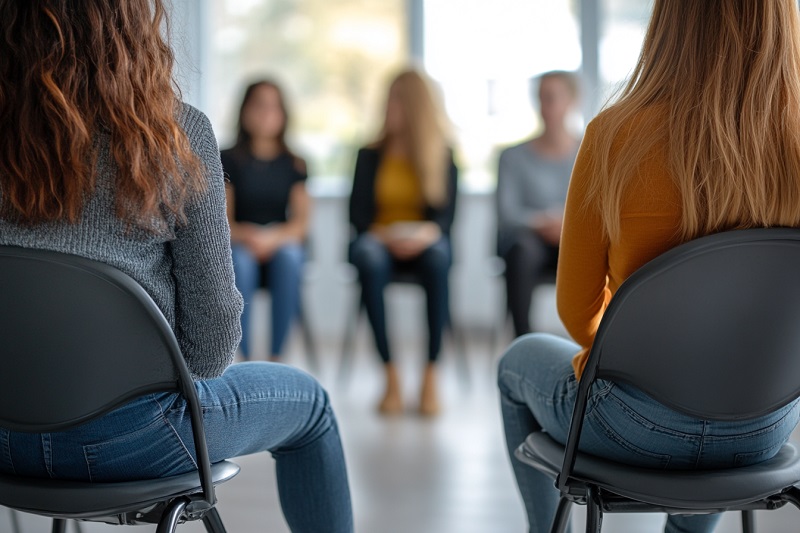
(392, 402)
(429, 398)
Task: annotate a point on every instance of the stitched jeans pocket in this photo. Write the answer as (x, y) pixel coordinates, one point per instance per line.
(152, 451)
(606, 438)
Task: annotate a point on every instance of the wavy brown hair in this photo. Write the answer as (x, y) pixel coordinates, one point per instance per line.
(718, 84)
(70, 69)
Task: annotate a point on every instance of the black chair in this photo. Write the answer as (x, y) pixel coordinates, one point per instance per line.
(710, 329)
(405, 277)
(80, 338)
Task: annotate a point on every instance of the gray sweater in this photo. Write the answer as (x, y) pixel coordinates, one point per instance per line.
(527, 184)
(189, 274)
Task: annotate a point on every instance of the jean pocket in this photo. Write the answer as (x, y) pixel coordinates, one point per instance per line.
(606, 438)
(152, 451)
(751, 458)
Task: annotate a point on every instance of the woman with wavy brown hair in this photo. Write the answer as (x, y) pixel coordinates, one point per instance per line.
(401, 209)
(99, 158)
(704, 138)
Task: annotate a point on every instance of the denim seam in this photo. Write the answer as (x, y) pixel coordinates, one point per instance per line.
(763, 431)
(206, 408)
(175, 432)
(616, 437)
(652, 426)
(47, 453)
(698, 457)
(7, 450)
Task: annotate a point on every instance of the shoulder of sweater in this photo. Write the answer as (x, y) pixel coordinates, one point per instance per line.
(193, 120)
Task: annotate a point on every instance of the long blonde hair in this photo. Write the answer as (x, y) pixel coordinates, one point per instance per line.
(724, 78)
(424, 134)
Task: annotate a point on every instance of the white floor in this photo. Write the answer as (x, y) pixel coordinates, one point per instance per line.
(408, 474)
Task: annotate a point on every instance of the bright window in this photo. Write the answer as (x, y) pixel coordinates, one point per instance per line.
(333, 60)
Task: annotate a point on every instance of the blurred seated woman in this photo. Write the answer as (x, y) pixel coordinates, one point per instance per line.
(268, 211)
(100, 159)
(401, 209)
(532, 180)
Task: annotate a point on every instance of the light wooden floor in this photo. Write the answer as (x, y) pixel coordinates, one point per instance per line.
(411, 475)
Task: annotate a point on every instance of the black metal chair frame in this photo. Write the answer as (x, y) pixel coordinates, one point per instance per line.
(709, 329)
(84, 338)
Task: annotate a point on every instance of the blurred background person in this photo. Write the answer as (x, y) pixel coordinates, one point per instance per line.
(532, 180)
(268, 211)
(401, 209)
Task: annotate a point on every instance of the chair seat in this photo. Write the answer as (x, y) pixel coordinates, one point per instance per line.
(680, 489)
(83, 500)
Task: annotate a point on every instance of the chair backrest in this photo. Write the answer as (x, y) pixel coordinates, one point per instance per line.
(79, 338)
(710, 328)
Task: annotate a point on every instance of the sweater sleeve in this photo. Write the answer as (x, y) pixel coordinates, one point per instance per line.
(207, 304)
(582, 292)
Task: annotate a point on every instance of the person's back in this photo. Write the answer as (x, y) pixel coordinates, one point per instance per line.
(705, 138)
(100, 159)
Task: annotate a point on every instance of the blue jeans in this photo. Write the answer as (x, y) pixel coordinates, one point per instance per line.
(538, 390)
(284, 274)
(375, 266)
(253, 407)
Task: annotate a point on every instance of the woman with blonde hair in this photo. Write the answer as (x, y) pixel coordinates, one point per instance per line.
(401, 210)
(99, 158)
(704, 138)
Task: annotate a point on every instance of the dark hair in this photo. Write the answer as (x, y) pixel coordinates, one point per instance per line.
(243, 137)
(69, 70)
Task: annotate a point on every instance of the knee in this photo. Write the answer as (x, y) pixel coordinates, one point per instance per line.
(289, 256)
(517, 358)
(437, 258)
(369, 255)
(241, 255)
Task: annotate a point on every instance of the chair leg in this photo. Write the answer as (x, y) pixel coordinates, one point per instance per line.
(59, 525)
(594, 514)
(172, 514)
(460, 344)
(748, 522)
(308, 340)
(561, 518)
(213, 522)
(351, 329)
(14, 515)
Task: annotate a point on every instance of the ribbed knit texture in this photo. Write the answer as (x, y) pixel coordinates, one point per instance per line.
(189, 274)
(591, 267)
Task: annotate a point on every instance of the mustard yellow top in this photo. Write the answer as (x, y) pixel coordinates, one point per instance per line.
(590, 268)
(398, 192)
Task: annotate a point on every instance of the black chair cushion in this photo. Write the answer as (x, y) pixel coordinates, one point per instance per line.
(75, 499)
(679, 489)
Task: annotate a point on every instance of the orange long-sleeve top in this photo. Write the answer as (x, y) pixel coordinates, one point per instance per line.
(591, 267)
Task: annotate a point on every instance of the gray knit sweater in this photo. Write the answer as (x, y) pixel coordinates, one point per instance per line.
(189, 274)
